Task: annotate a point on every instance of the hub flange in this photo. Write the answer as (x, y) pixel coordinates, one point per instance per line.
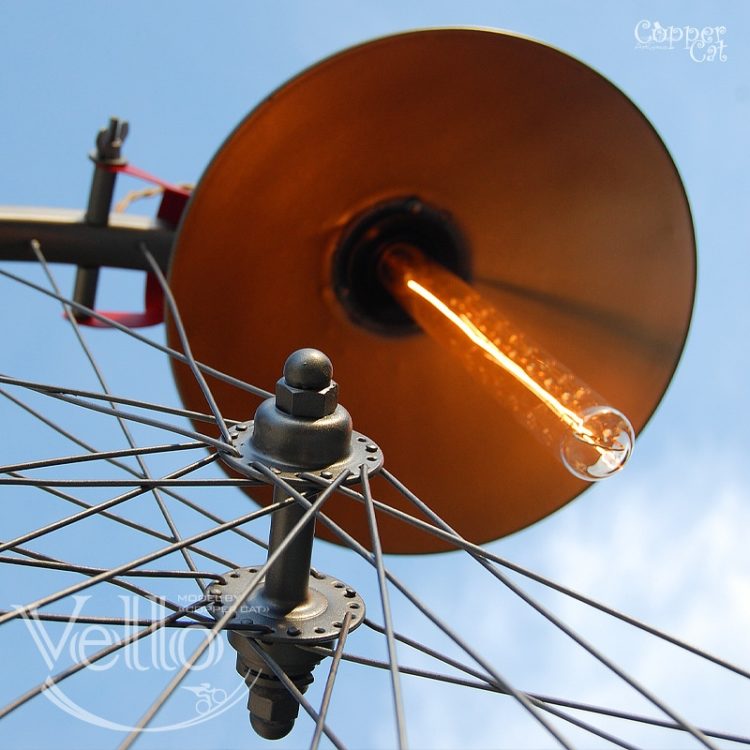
(316, 620)
(363, 452)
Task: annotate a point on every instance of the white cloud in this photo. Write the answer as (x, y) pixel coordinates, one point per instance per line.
(668, 546)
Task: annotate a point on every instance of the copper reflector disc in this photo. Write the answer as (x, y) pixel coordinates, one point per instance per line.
(576, 223)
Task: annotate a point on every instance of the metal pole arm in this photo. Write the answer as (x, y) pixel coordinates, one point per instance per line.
(66, 238)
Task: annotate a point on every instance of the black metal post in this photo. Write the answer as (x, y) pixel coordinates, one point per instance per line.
(108, 151)
(286, 579)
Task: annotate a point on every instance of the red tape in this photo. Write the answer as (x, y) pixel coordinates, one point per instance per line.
(172, 205)
(142, 174)
(152, 315)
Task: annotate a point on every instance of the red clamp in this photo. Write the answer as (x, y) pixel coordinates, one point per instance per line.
(153, 313)
(172, 204)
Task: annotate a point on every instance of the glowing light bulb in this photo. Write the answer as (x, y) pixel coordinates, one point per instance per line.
(592, 439)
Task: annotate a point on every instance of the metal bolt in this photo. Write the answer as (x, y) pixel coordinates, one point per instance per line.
(306, 390)
(109, 140)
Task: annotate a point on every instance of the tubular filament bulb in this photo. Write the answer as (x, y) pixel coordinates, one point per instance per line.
(592, 439)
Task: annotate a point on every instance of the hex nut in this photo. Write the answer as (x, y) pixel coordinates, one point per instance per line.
(281, 708)
(306, 403)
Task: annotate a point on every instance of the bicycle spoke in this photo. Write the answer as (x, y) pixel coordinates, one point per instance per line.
(295, 693)
(353, 544)
(139, 527)
(330, 681)
(584, 725)
(182, 334)
(133, 472)
(99, 456)
(142, 482)
(386, 606)
(88, 570)
(598, 655)
(436, 677)
(461, 543)
(126, 585)
(83, 664)
(93, 509)
(518, 695)
(51, 388)
(234, 606)
(483, 683)
(130, 416)
(94, 620)
(36, 248)
(120, 569)
(173, 353)
(448, 679)
(76, 329)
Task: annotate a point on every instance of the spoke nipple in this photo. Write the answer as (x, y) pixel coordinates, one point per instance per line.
(371, 448)
(350, 593)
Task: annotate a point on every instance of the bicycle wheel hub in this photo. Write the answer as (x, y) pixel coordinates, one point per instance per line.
(316, 620)
(297, 436)
(361, 452)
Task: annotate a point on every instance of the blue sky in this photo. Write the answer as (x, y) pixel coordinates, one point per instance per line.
(663, 540)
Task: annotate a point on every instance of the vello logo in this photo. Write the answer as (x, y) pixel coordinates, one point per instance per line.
(166, 649)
